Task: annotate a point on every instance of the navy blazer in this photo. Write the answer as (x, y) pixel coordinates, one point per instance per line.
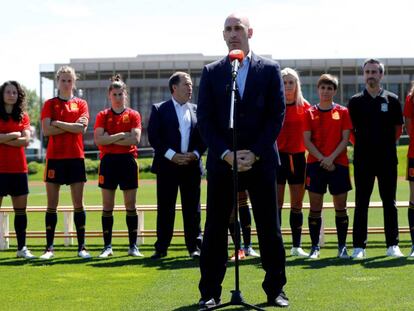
(164, 133)
(260, 113)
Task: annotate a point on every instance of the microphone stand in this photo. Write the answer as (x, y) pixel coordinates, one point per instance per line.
(236, 296)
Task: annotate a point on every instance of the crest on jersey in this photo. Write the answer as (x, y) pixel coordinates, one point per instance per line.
(125, 118)
(335, 115)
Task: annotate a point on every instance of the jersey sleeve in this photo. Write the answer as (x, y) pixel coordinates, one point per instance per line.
(83, 109)
(47, 110)
(408, 107)
(100, 120)
(136, 120)
(347, 123)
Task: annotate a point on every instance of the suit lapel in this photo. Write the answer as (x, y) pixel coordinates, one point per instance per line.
(173, 115)
(251, 78)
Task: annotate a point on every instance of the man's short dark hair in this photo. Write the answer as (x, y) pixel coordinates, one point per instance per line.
(374, 61)
(175, 79)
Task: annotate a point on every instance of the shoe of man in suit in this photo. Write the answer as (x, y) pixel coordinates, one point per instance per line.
(281, 300)
(158, 255)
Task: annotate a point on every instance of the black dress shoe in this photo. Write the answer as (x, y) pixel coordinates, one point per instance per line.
(195, 254)
(205, 304)
(281, 300)
(158, 255)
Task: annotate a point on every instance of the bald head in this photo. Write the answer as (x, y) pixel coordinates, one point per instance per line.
(243, 19)
(237, 32)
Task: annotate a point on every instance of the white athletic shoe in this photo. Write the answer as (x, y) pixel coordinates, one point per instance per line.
(106, 252)
(359, 253)
(84, 254)
(315, 253)
(343, 253)
(48, 254)
(25, 253)
(394, 251)
(411, 253)
(298, 252)
(134, 252)
(249, 251)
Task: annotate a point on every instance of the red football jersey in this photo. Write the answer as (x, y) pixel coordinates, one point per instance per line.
(113, 123)
(326, 130)
(13, 159)
(66, 145)
(409, 113)
(290, 139)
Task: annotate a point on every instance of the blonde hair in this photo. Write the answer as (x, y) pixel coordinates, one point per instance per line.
(298, 91)
(66, 69)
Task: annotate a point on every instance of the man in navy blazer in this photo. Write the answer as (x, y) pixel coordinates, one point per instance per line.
(260, 112)
(173, 133)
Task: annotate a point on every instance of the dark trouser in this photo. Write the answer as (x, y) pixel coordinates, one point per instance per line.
(187, 179)
(261, 185)
(364, 175)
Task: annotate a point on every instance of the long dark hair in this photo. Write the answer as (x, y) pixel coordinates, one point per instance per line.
(18, 108)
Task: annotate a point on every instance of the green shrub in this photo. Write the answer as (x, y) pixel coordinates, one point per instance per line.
(34, 167)
(91, 166)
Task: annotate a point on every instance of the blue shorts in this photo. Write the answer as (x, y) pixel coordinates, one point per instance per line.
(292, 169)
(118, 169)
(13, 184)
(318, 179)
(65, 171)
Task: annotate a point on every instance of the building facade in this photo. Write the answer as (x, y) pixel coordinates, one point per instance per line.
(147, 78)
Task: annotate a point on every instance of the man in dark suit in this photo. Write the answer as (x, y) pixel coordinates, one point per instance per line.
(260, 114)
(173, 133)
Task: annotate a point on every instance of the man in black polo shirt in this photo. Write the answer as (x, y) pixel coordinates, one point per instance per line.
(377, 120)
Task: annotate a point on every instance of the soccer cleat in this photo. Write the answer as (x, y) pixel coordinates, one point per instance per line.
(394, 251)
(342, 252)
(48, 254)
(84, 254)
(249, 251)
(134, 252)
(359, 253)
(242, 255)
(25, 253)
(298, 252)
(315, 252)
(106, 252)
(411, 253)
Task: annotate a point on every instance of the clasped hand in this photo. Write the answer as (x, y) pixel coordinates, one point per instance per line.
(184, 158)
(245, 159)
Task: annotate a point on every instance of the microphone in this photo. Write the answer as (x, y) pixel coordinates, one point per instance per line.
(236, 57)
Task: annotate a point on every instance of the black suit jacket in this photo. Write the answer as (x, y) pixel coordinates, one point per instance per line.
(260, 113)
(164, 133)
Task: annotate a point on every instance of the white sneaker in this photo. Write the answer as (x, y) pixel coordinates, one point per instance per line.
(298, 252)
(359, 253)
(134, 252)
(84, 254)
(106, 252)
(315, 253)
(25, 253)
(411, 253)
(343, 253)
(48, 254)
(249, 251)
(394, 251)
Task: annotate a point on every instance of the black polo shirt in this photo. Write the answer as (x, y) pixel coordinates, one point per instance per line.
(374, 121)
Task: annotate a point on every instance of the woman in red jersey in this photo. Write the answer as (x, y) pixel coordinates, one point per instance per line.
(64, 121)
(117, 133)
(292, 156)
(14, 136)
(326, 136)
(409, 117)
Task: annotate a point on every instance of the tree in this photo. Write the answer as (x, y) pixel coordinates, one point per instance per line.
(33, 108)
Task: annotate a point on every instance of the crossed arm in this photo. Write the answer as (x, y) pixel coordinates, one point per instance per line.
(122, 138)
(55, 127)
(15, 139)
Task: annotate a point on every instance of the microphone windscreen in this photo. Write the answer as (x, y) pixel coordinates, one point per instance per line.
(236, 54)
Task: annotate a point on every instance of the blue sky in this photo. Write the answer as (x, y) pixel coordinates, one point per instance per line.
(34, 32)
